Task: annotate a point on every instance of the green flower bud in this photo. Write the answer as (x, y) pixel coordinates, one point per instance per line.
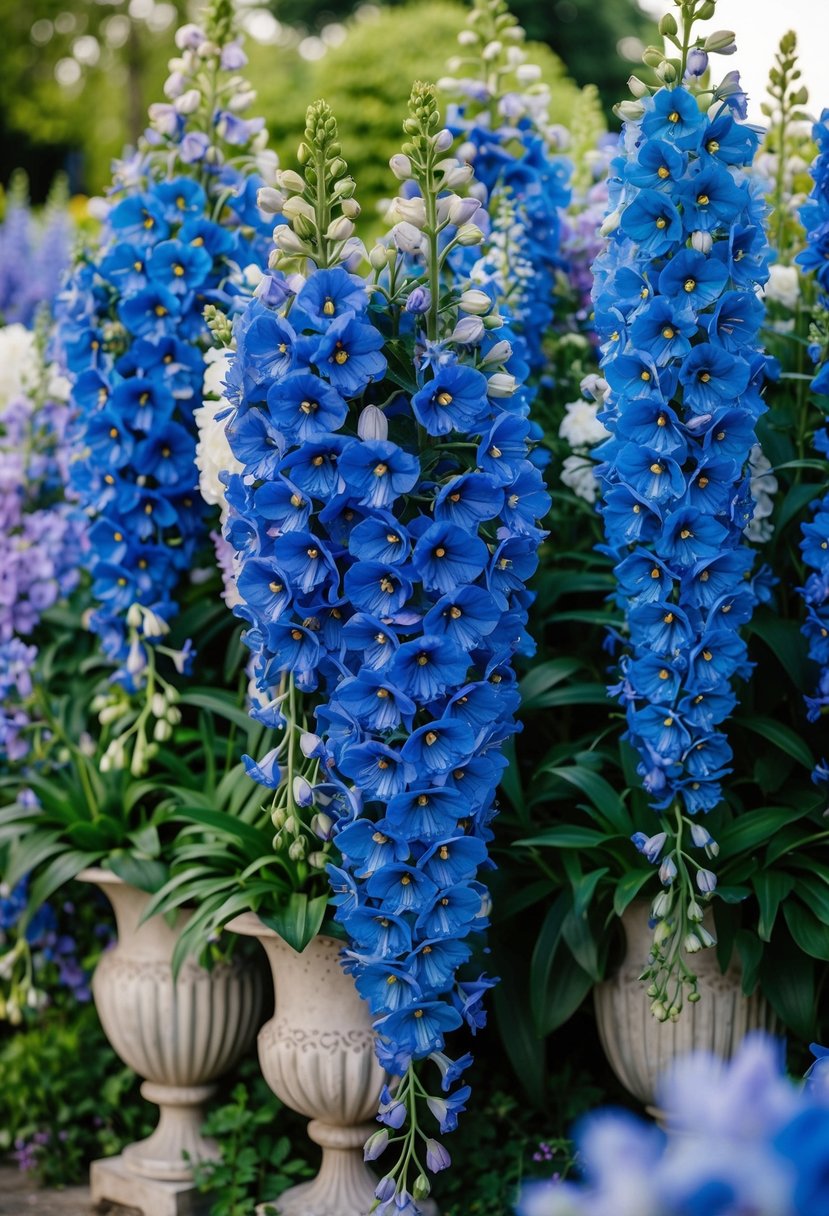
(668, 24)
(653, 56)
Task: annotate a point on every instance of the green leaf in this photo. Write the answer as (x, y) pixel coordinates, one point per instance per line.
(771, 888)
(585, 889)
(785, 641)
(753, 828)
(518, 1033)
(571, 985)
(143, 873)
(781, 736)
(298, 920)
(810, 933)
(572, 694)
(223, 706)
(787, 979)
(566, 837)
(600, 792)
(750, 950)
(544, 955)
(798, 497)
(628, 887)
(545, 676)
(578, 933)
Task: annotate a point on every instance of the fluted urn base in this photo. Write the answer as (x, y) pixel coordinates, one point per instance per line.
(639, 1048)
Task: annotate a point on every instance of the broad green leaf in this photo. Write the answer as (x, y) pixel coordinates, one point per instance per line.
(143, 873)
(298, 920)
(578, 933)
(544, 956)
(569, 985)
(213, 702)
(566, 837)
(781, 736)
(811, 934)
(771, 888)
(628, 887)
(545, 676)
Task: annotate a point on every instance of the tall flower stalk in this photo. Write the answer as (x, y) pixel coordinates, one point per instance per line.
(384, 525)
(181, 229)
(679, 319)
(815, 543)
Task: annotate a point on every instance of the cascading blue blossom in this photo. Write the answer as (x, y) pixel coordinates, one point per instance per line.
(180, 231)
(678, 316)
(34, 252)
(815, 544)
(42, 537)
(385, 524)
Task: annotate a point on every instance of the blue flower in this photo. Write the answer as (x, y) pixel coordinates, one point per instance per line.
(329, 294)
(456, 399)
(348, 354)
(378, 471)
(446, 556)
(304, 407)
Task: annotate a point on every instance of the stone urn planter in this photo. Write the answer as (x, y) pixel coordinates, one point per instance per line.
(317, 1055)
(180, 1036)
(638, 1047)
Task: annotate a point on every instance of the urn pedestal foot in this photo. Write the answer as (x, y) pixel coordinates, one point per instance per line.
(111, 1181)
(169, 1153)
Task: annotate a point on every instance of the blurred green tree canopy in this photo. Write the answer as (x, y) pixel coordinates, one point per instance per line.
(76, 76)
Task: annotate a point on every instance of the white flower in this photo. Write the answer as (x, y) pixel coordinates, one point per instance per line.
(213, 454)
(18, 363)
(577, 473)
(763, 489)
(580, 426)
(783, 286)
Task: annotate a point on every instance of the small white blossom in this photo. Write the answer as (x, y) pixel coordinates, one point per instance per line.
(783, 286)
(577, 473)
(580, 427)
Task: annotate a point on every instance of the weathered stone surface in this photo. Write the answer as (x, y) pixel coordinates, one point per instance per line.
(19, 1197)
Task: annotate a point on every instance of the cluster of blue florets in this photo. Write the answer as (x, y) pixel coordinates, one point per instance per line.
(388, 574)
(678, 315)
(132, 335)
(815, 543)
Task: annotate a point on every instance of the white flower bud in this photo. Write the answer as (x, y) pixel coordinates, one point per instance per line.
(492, 50)
(189, 102)
(467, 38)
(208, 50)
(162, 731)
(158, 705)
(340, 229)
(691, 943)
(134, 616)
(109, 714)
(296, 851)
(287, 240)
(475, 302)
(291, 181)
(457, 176)
(401, 167)
(296, 205)
(637, 87)
(500, 353)
(462, 210)
(469, 234)
(410, 210)
(721, 41)
(443, 141)
(241, 100)
(189, 36)
(318, 861)
(269, 200)
(154, 625)
(322, 825)
(468, 331)
(702, 241)
(407, 238)
(350, 208)
(528, 73)
(630, 111)
(372, 423)
(163, 118)
(136, 659)
(502, 384)
(378, 257)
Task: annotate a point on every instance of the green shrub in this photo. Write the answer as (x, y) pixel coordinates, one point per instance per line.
(367, 80)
